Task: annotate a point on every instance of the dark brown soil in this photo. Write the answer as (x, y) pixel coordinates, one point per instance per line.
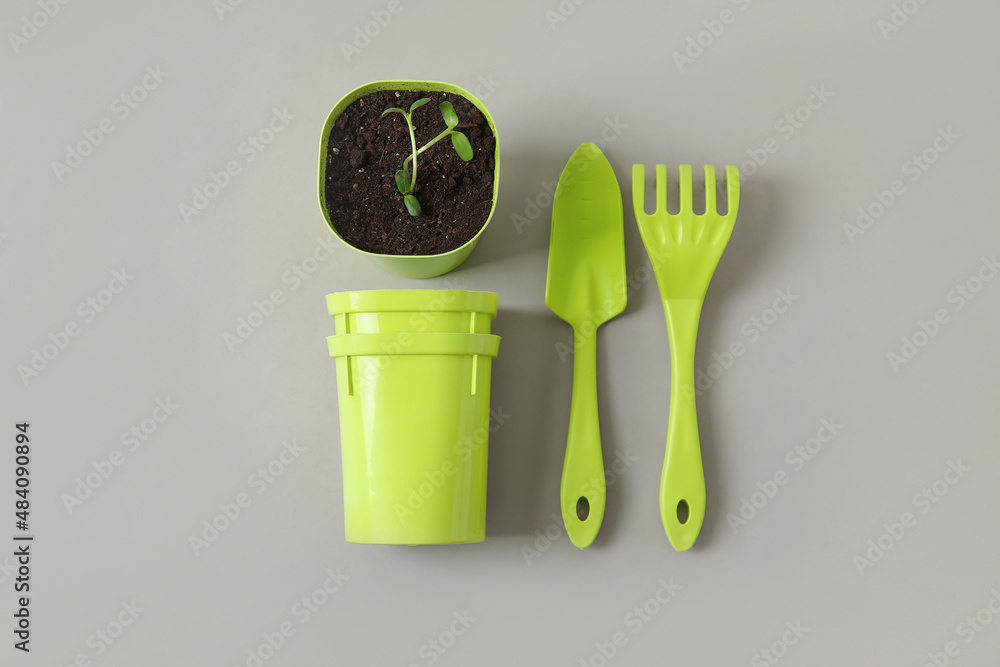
(365, 151)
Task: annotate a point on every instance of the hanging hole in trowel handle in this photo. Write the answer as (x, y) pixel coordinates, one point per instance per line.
(582, 508)
(683, 511)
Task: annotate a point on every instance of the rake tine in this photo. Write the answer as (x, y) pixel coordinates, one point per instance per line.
(661, 188)
(685, 188)
(732, 193)
(711, 207)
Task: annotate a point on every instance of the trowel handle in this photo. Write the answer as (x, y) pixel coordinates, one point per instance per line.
(582, 493)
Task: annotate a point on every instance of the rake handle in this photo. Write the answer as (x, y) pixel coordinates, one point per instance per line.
(682, 484)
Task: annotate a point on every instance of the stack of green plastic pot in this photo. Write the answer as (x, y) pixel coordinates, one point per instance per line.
(413, 386)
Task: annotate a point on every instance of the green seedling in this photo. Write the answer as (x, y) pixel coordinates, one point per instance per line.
(406, 180)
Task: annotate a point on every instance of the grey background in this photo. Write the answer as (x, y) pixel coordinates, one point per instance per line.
(555, 85)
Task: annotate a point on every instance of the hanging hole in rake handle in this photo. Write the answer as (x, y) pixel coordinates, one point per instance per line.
(582, 508)
(683, 511)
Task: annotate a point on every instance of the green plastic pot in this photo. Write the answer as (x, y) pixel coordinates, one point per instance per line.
(415, 311)
(409, 266)
(414, 431)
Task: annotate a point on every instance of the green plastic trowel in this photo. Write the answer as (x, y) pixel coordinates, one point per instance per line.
(586, 287)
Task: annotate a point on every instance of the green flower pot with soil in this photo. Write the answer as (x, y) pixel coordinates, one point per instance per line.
(409, 173)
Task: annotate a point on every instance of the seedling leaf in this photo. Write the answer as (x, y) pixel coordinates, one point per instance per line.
(448, 112)
(462, 145)
(392, 110)
(419, 103)
(412, 205)
(403, 181)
